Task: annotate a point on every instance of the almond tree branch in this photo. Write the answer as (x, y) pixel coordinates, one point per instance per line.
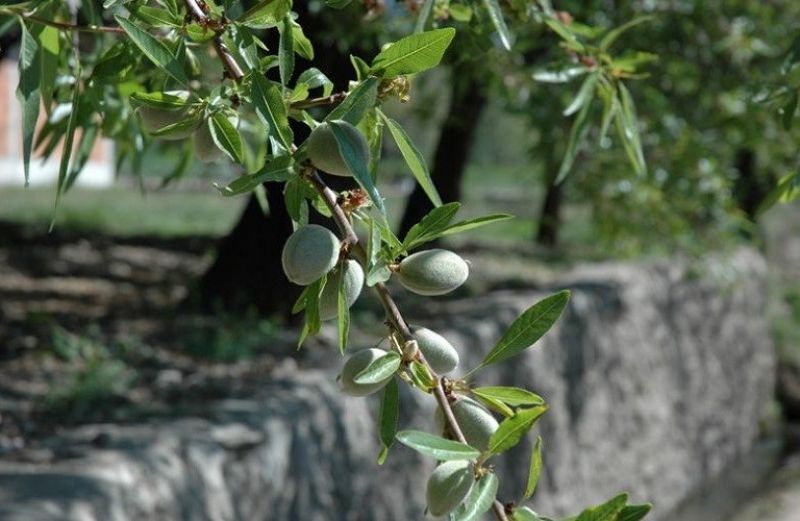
(390, 306)
(232, 68)
(66, 26)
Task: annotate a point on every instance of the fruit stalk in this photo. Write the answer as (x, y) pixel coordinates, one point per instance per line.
(390, 306)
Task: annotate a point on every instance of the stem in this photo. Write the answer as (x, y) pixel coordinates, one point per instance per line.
(232, 68)
(392, 311)
(333, 99)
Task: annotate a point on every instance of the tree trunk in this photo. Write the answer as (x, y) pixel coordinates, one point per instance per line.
(550, 216)
(468, 98)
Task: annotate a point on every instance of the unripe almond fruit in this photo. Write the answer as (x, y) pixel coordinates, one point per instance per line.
(439, 353)
(448, 486)
(477, 424)
(323, 149)
(354, 365)
(432, 272)
(309, 253)
(353, 283)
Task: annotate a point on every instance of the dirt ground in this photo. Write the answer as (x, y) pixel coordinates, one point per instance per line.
(89, 313)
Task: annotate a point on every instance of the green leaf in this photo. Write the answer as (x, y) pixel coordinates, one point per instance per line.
(584, 96)
(414, 53)
(155, 51)
(566, 34)
(226, 136)
(436, 446)
(414, 159)
(634, 512)
(422, 17)
(608, 40)
(512, 429)
(528, 328)
(342, 313)
(69, 138)
(525, 514)
(49, 47)
(577, 136)
(266, 14)
(421, 376)
(628, 130)
(480, 499)
(471, 224)
(388, 416)
(87, 140)
(429, 226)
(159, 100)
(155, 16)
(191, 121)
(608, 511)
(787, 190)
(496, 405)
(380, 369)
(279, 169)
(496, 15)
(286, 50)
(28, 93)
(513, 396)
(535, 469)
(312, 322)
(337, 4)
(271, 109)
(314, 78)
(357, 103)
(354, 158)
(302, 45)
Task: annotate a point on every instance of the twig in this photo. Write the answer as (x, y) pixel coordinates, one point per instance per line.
(392, 311)
(333, 99)
(232, 68)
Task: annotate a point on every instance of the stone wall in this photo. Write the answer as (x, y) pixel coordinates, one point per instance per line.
(657, 376)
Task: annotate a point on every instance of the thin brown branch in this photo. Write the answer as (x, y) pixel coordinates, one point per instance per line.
(392, 311)
(232, 68)
(333, 99)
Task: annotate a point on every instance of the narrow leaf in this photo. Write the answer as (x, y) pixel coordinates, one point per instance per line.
(414, 53)
(155, 51)
(525, 514)
(226, 136)
(414, 159)
(342, 312)
(608, 511)
(471, 224)
(286, 50)
(584, 96)
(512, 429)
(608, 40)
(28, 93)
(436, 446)
(271, 109)
(513, 396)
(496, 14)
(388, 416)
(266, 14)
(422, 17)
(528, 328)
(380, 369)
(479, 500)
(69, 138)
(357, 102)
(432, 224)
(535, 469)
(634, 512)
(577, 136)
(358, 164)
(628, 129)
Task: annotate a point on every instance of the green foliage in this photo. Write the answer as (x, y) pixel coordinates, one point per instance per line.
(154, 59)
